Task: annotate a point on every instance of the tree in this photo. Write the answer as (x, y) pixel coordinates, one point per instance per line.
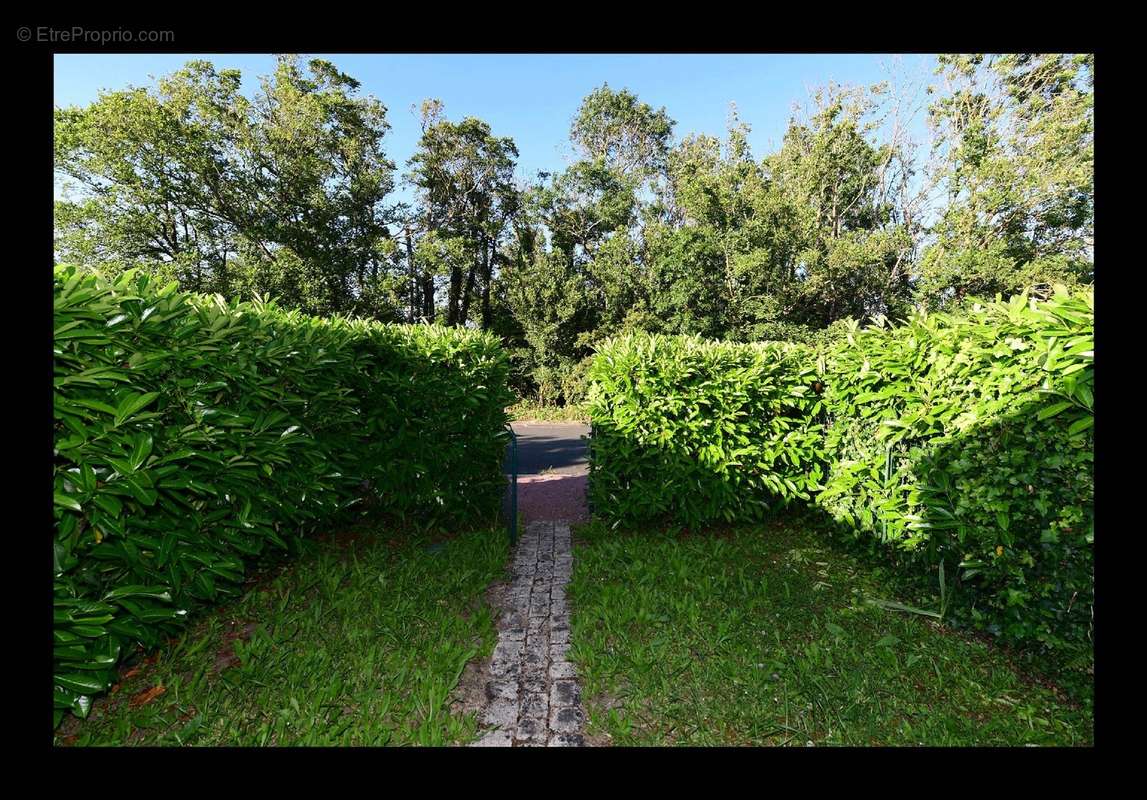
(282, 193)
(465, 178)
(583, 207)
(854, 256)
(591, 211)
(624, 135)
(548, 300)
(718, 193)
(686, 291)
(1014, 145)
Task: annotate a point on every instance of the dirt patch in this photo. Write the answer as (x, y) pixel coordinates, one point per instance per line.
(469, 695)
(603, 702)
(147, 695)
(225, 656)
(598, 740)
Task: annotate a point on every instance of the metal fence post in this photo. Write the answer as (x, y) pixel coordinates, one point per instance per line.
(513, 521)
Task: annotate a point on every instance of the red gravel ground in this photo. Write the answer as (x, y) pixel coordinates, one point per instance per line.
(553, 497)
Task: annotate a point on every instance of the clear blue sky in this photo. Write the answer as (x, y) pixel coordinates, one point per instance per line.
(532, 98)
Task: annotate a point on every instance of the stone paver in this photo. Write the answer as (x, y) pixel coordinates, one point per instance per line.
(533, 698)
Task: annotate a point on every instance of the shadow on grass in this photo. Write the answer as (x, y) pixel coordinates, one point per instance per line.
(360, 641)
(1009, 505)
(764, 634)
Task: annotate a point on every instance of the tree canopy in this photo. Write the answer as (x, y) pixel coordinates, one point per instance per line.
(289, 193)
(282, 194)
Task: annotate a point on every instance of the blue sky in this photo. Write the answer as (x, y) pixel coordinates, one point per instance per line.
(532, 98)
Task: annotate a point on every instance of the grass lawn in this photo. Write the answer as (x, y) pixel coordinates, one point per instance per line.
(764, 636)
(358, 642)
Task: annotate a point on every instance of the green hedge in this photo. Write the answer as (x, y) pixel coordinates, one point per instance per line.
(692, 431)
(191, 434)
(967, 441)
(962, 441)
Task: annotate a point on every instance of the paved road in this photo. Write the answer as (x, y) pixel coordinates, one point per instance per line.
(554, 447)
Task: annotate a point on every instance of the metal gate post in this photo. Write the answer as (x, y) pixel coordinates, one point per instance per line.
(513, 521)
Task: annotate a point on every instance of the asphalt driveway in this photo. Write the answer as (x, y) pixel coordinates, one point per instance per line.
(553, 448)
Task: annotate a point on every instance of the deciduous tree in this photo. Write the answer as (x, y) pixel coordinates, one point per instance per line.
(281, 193)
(1014, 144)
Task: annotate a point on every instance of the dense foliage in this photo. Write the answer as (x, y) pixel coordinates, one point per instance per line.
(967, 441)
(280, 193)
(692, 431)
(1014, 141)
(192, 434)
(287, 190)
(961, 443)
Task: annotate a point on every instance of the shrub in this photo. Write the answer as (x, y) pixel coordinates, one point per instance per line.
(191, 434)
(575, 382)
(954, 442)
(967, 441)
(690, 430)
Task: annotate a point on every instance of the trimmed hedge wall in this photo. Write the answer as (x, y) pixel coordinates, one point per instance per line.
(962, 441)
(191, 434)
(968, 441)
(695, 431)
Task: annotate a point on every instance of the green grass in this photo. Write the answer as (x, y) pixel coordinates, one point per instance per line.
(765, 636)
(527, 410)
(358, 642)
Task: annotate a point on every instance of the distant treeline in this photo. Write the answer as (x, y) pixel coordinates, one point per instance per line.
(289, 194)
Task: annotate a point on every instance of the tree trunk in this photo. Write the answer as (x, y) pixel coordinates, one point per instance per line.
(413, 278)
(452, 300)
(223, 274)
(428, 296)
(468, 292)
(489, 275)
(428, 281)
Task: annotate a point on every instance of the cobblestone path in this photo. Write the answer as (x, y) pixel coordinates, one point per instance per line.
(532, 697)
